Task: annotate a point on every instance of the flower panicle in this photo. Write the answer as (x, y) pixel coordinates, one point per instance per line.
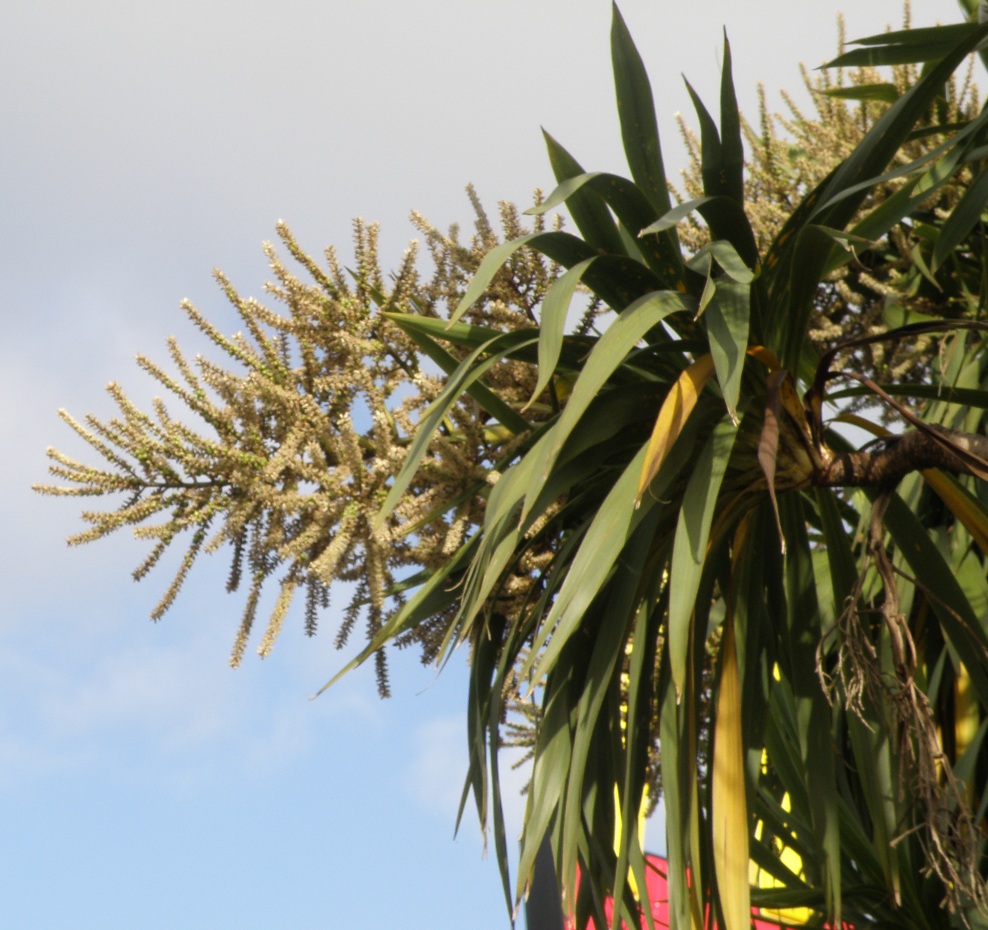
(299, 426)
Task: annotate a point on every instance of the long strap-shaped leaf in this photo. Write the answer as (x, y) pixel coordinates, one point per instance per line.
(639, 128)
(607, 355)
(690, 546)
(630, 206)
(812, 711)
(729, 807)
(555, 306)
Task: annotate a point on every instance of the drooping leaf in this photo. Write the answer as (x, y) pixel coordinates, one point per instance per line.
(726, 257)
(967, 634)
(484, 396)
(810, 705)
(690, 547)
(614, 521)
(562, 247)
(472, 368)
(729, 807)
(671, 217)
(612, 348)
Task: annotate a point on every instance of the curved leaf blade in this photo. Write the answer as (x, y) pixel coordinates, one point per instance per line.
(553, 324)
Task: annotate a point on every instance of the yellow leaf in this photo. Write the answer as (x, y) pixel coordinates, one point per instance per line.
(961, 505)
(674, 413)
(729, 804)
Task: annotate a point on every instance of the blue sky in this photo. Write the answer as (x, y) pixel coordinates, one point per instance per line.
(143, 784)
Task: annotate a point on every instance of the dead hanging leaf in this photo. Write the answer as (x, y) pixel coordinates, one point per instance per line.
(673, 414)
(787, 454)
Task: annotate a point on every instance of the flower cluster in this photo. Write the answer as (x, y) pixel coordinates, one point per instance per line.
(789, 155)
(299, 439)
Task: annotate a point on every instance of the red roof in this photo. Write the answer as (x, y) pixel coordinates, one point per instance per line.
(658, 898)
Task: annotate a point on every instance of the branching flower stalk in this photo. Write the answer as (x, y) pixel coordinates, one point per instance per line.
(303, 426)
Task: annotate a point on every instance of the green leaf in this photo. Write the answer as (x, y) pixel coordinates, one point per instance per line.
(726, 256)
(726, 219)
(472, 368)
(963, 218)
(678, 778)
(590, 214)
(609, 352)
(731, 144)
(636, 111)
(831, 204)
(690, 547)
(812, 248)
(553, 750)
(630, 206)
(562, 247)
(484, 396)
(727, 329)
(671, 217)
(966, 397)
(493, 262)
(966, 633)
(434, 595)
(614, 617)
(812, 710)
(552, 324)
(907, 46)
(613, 523)
(887, 134)
(710, 149)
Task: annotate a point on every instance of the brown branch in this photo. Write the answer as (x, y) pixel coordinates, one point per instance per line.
(939, 447)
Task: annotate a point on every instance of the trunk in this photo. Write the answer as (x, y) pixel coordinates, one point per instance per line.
(935, 447)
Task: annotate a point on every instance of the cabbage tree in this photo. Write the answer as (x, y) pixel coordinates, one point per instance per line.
(648, 519)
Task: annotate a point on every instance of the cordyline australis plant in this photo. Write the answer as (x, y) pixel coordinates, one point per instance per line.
(649, 524)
